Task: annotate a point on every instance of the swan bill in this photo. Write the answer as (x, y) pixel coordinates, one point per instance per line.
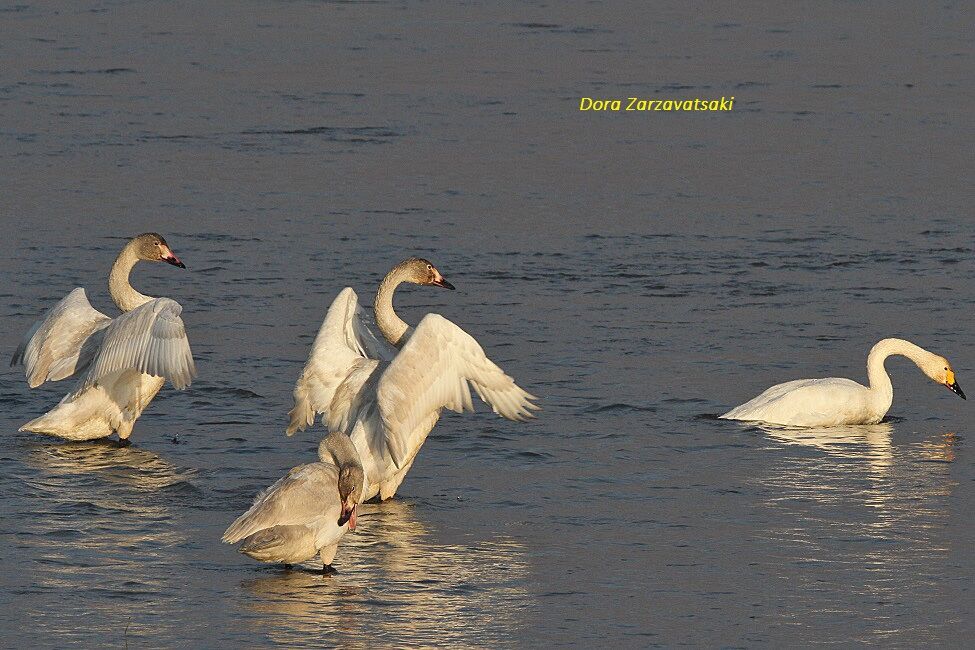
(170, 258)
(348, 515)
(442, 282)
(956, 389)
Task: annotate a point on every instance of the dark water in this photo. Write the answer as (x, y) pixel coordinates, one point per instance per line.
(638, 271)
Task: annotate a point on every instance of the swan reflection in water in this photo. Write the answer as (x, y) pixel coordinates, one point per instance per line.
(871, 443)
(868, 442)
(857, 453)
(397, 585)
(105, 497)
(105, 460)
(104, 517)
(867, 517)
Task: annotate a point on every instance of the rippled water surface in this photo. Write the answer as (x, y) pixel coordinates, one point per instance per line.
(641, 273)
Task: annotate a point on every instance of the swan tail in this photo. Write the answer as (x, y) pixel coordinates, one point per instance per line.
(236, 532)
(246, 525)
(98, 411)
(58, 422)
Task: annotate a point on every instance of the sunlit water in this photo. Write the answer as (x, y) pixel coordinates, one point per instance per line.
(641, 274)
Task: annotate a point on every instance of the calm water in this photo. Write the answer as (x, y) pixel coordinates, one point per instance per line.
(641, 273)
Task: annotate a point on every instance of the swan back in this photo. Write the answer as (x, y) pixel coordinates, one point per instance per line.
(811, 402)
(307, 496)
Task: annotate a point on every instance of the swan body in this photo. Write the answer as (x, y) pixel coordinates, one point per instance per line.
(389, 401)
(835, 401)
(121, 363)
(307, 512)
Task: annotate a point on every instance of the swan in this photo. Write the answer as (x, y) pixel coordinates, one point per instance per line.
(388, 401)
(835, 401)
(307, 512)
(128, 359)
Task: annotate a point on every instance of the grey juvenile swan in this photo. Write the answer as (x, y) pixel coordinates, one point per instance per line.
(127, 359)
(389, 404)
(307, 512)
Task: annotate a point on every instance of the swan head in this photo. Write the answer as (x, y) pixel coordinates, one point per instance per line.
(337, 448)
(939, 370)
(351, 478)
(421, 271)
(152, 247)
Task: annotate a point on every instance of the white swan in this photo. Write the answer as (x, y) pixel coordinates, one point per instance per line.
(307, 512)
(128, 359)
(834, 401)
(389, 404)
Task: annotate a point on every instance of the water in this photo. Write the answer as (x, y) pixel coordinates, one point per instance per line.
(641, 273)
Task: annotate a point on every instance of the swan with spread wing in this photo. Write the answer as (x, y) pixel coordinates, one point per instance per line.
(122, 362)
(388, 397)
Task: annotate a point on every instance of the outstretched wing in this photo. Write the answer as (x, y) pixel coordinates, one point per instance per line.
(62, 343)
(151, 339)
(354, 396)
(342, 345)
(307, 494)
(432, 372)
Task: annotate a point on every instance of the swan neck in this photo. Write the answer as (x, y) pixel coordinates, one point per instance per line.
(392, 326)
(879, 379)
(124, 296)
(338, 449)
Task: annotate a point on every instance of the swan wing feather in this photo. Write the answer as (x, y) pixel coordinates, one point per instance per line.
(342, 344)
(151, 339)
(62, 342)
(434, 371)
(354, 396)
(306, 496)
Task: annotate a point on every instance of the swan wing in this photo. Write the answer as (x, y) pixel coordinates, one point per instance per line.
(435, 370)
(342, 344)
(151, 339)
(61, 343)
(355, 396)
(307, 496)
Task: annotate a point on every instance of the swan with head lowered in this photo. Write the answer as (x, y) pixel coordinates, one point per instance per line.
(835, 401)
(307, 512)
(388, 401)
(122, 362)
